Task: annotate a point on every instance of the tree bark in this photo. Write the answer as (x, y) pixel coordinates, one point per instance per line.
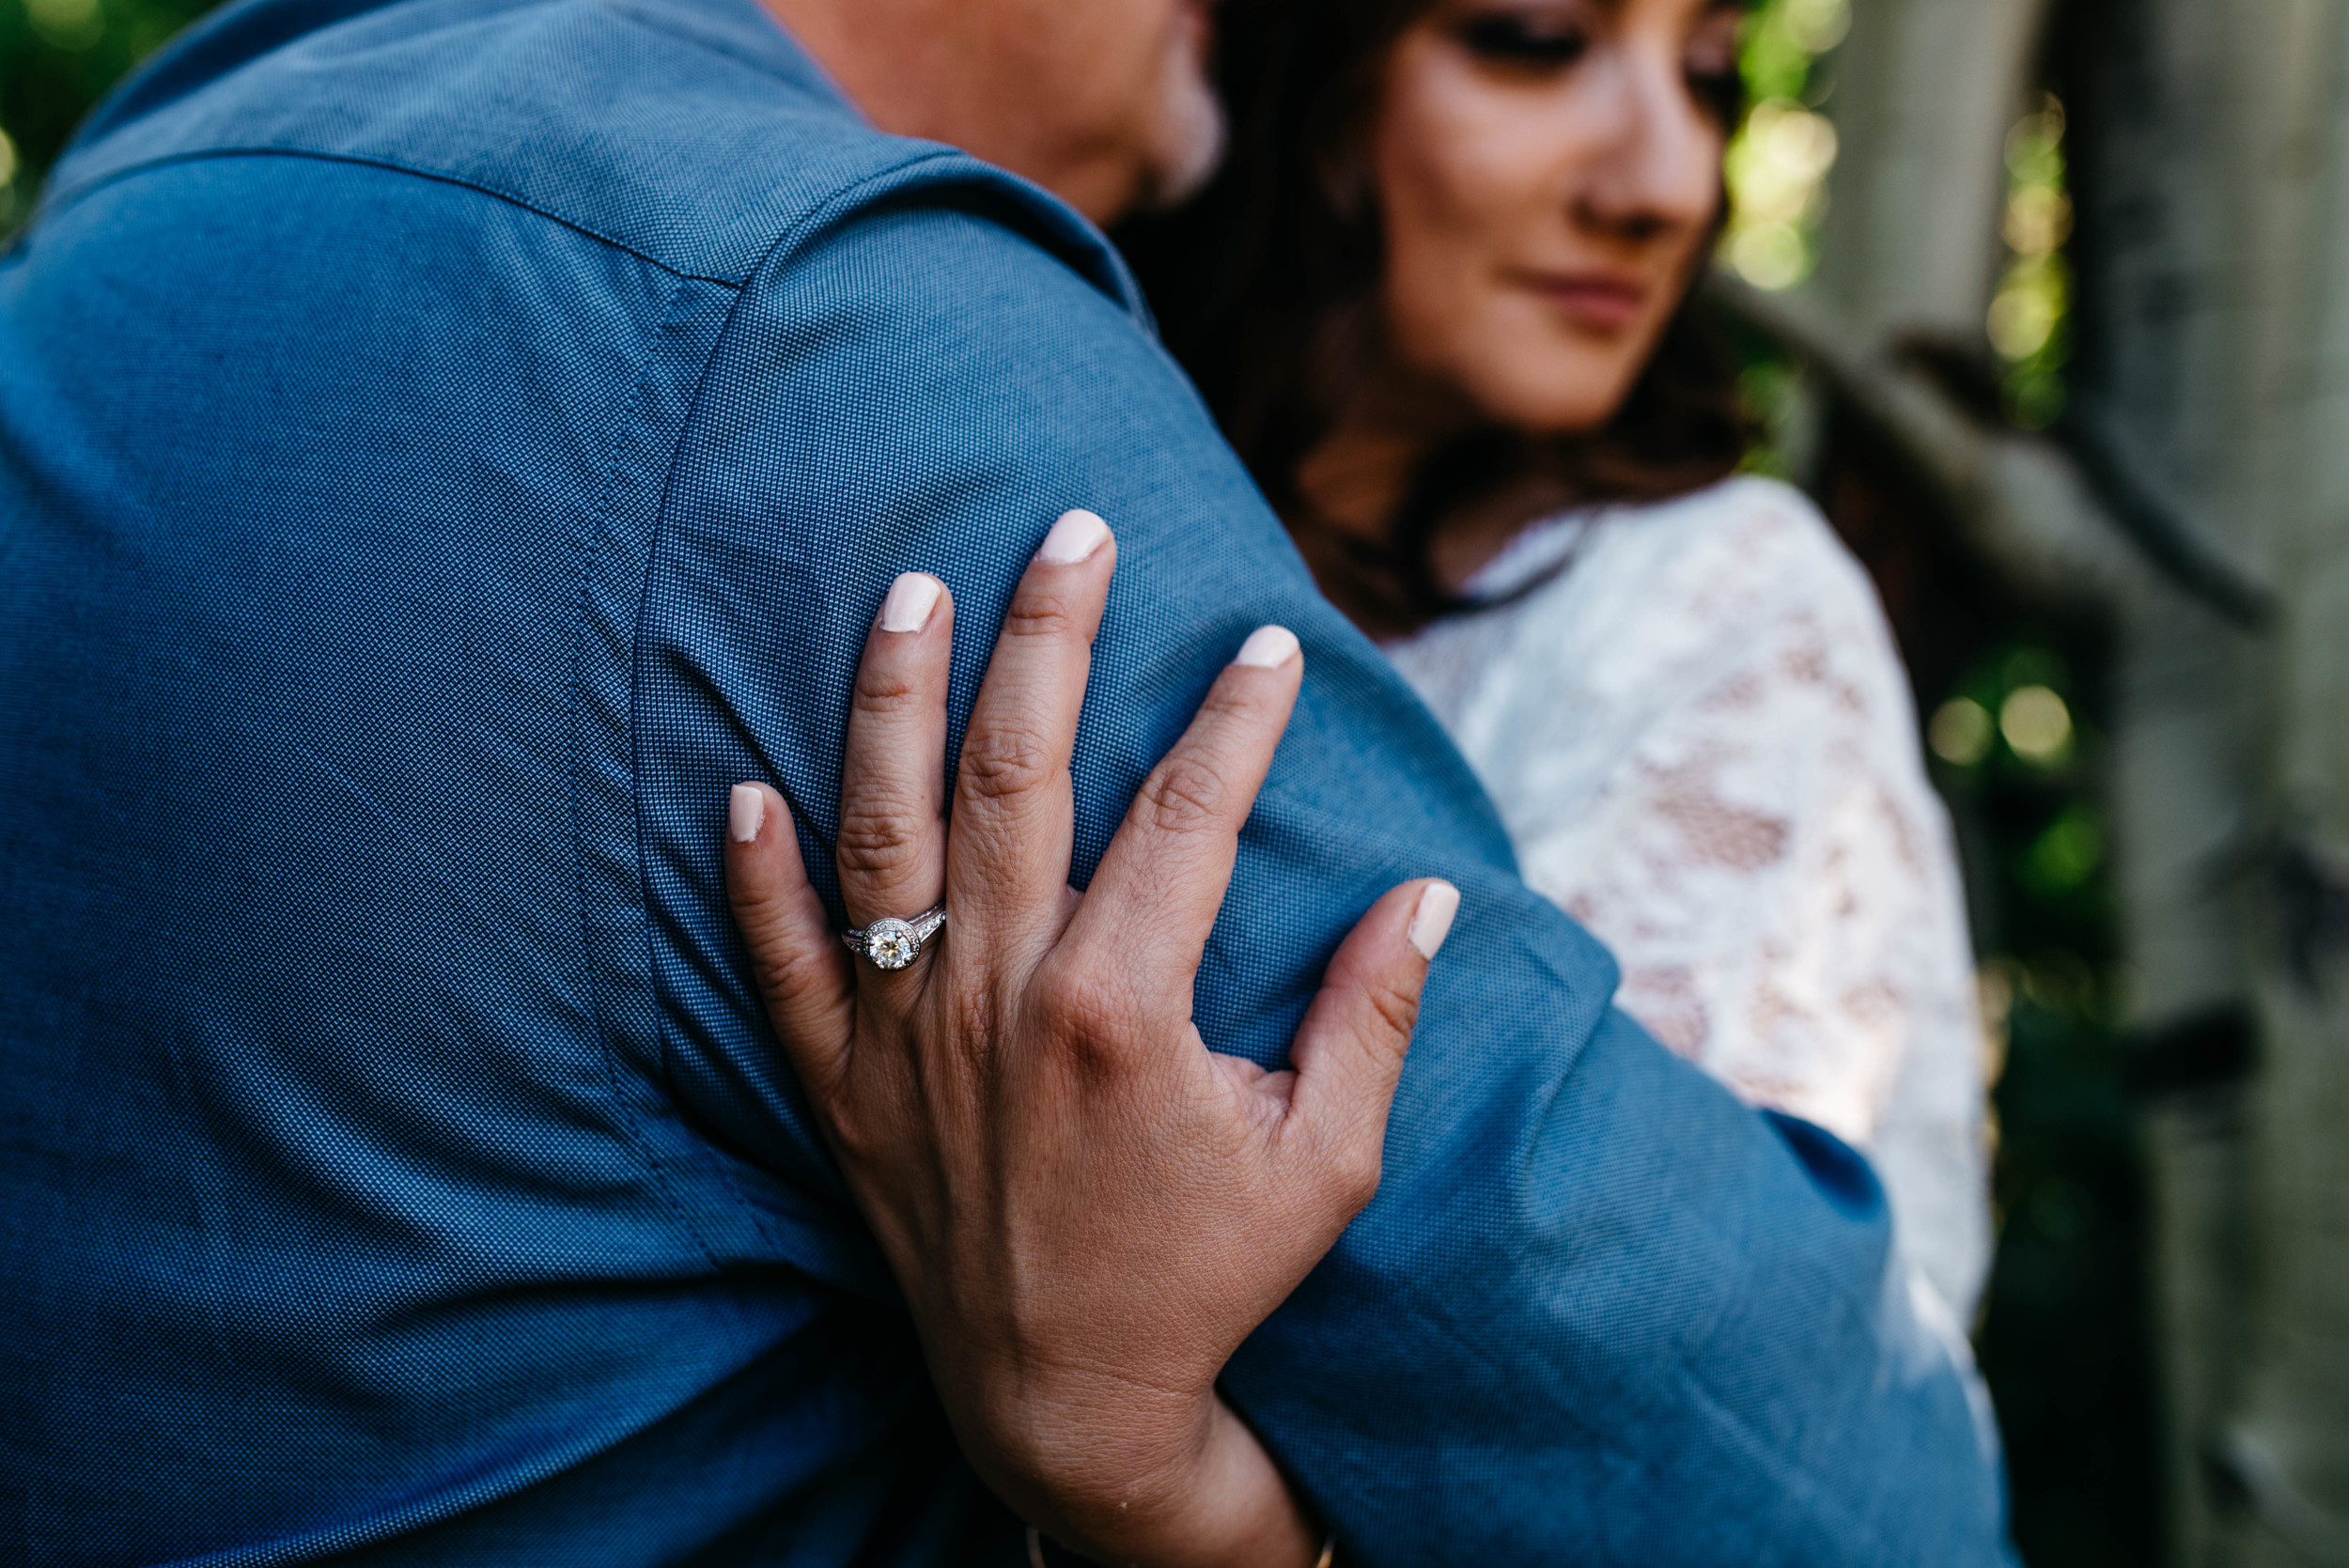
(2214, 256)
(2216, 310)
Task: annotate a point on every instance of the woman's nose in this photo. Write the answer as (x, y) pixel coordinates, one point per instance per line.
(1660, 169)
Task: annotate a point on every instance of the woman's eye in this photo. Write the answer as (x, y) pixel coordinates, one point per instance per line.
(1711, 65)
(1517, 41)
(1722, 93)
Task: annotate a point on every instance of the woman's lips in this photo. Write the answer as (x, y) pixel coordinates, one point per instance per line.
(1598, 300)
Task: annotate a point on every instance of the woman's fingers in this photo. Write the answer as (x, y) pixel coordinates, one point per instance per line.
(892, 848)
(947, 1163)
(801, 967)
(1155, 896)
(1349, 1053)
(1014, 807)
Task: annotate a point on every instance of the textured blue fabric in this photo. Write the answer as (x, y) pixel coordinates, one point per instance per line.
(442, 446)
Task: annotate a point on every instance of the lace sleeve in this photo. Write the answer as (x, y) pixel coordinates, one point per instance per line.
(1766, 859)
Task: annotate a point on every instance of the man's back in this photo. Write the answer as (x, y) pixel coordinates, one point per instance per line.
(442, 445)
(328, 496)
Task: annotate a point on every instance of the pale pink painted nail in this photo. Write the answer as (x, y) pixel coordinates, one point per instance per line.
(911, 600)
(1431, 923)
(746, 808)
(1268, 647)
(1073, 539)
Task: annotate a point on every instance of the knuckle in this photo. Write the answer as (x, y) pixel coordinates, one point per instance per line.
(1183, 796)
(1079, 1010)
(769, 934)
(779, 985)
(1396, 1007)
(1063, 997)
(878, 840)
(1004, 761)
(882, 693)
(1038, 611)
(776, 963)
(757, 908)
(785, 964)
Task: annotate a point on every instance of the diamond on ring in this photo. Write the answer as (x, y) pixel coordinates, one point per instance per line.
(891, 943)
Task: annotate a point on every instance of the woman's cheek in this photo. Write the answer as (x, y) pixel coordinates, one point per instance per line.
(1435, 264)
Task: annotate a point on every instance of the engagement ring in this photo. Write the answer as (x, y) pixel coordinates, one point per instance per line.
(892, 944)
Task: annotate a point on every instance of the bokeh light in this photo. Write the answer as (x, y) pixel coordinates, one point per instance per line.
(2067, 853)
(2028, 320)
(1778, 163)
(71, 25)
(1961, 732)
(2037, 724)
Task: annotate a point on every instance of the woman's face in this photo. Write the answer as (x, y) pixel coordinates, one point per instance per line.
(1548, 173)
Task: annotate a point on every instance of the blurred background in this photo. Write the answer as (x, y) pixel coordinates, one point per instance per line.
(2047, 301)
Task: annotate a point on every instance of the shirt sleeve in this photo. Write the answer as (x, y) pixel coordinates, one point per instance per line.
(1598, 1311)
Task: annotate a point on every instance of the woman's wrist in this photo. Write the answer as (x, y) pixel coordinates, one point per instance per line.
(1130, 1480)
(1239, 1508)
(1126, 1473)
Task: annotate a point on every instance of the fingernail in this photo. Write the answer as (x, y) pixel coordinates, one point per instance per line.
(746, 808)
(1074, 538)
(1431, 923)
(911, 600)
(1268, 647)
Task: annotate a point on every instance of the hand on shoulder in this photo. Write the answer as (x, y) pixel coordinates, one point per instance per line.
(1086, 1208)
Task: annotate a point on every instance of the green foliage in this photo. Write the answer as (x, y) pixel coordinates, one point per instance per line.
(1777, 162)
(2064, 1342)
(57, 59)
(1781, 42)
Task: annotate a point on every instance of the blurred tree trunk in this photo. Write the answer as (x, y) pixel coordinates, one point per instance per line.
(2216, 300)
(1925, 92)
(2180, 321)
(2213, 262)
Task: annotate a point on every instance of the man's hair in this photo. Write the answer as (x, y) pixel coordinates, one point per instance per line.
(1265, 290)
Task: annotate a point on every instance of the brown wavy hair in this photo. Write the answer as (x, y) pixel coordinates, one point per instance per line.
(1265, 290)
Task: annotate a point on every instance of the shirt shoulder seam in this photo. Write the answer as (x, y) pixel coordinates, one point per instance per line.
(60, 200)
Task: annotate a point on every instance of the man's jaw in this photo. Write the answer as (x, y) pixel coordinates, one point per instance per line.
(1191, 134)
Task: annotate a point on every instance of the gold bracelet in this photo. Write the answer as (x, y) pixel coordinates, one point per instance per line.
(1036, 1550)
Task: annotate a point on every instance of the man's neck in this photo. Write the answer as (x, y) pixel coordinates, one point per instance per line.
(936, 69)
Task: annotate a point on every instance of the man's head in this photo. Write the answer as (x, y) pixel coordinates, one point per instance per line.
(1105, 103)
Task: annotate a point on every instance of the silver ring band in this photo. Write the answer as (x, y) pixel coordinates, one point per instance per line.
(892, 944)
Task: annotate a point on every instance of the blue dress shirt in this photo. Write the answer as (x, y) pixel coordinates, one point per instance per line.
(444, 444)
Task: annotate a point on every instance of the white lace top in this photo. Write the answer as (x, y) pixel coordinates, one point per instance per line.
(1701, 738)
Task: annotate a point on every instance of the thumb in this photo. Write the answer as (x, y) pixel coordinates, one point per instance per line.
(803, 972)
(1349, 1053)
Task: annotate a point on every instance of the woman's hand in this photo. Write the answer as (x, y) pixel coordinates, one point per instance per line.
(1087, 1209)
